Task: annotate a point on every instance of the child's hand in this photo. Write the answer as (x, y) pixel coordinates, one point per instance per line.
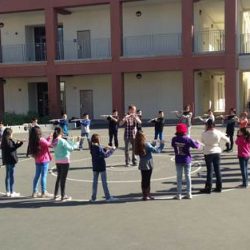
(114, 148)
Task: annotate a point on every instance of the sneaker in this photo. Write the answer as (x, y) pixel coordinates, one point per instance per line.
(57, 197)
(217, 190)
(188, 197)
(111, 198)
(134, 164)
(14, 194)
(178, 197)
(7, 194)
(66, 198)
(36, 195)
(46, 195)
(92, 200)
(205, 191)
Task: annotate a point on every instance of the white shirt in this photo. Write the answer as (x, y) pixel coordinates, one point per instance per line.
(211, 140)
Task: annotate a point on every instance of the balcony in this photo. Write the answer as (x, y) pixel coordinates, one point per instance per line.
(209, 41)
(94, 49)
(23, 53)
(152, 45)
(245, 43)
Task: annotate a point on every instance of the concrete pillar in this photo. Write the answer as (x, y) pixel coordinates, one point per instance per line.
(231, 63)
(116, 29)
(118, 92)
(54, 96)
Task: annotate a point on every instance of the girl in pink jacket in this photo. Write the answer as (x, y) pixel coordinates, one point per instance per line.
(243, 143)
(39, 149)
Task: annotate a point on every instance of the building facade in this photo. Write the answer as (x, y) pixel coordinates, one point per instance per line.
(92, 56)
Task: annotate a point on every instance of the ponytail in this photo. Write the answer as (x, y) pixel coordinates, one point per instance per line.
(57, 132)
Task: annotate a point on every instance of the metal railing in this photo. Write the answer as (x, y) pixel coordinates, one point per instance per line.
(152, 45)
(21, 53)
(84, 49)
(209, 41)
(245, 43)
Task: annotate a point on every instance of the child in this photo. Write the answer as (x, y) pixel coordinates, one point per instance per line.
(231, 121)
(211, 139)
(85, 129)
(186, 118)
(243, 121)
(159, 125)
(62, 149)
(99, 154)
(39, 149)
(34, 123)
(113, 127)
(208, 116)
(9, 157)
(139, 125)
(182, 144)
(243, 142)
(64, 124)
(144, 150)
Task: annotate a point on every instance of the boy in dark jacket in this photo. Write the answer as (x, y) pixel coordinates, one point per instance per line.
(9, 158)
(99, 154)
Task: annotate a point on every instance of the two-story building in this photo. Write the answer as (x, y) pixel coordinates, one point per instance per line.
(95, 55)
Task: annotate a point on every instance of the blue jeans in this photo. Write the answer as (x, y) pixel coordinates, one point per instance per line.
(187, 171)
(41, 170)
(213, 163)
(9, 179)
(244, 170)
(104, 184)
(82, 139)
(158, 133)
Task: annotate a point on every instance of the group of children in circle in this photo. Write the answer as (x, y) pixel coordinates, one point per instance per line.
(39, 148)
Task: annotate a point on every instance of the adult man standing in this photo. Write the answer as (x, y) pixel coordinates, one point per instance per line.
(130, 121)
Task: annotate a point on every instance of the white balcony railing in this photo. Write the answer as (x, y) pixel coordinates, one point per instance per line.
(84, 49)
(245, 43)
(21, 53)
(152, 45)
(209, 41)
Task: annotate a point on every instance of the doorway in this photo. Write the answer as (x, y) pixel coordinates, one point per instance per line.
(86, 102)
(83, 44)
(38, 98)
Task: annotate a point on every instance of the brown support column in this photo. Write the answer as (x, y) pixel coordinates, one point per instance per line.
(187, 27)
(1, 99)
(53, 80)
(188, 88)
(118, 92)
(116, 49)
(187, 51)
(116, 29)
(54, 96)
(51, 24)
(231, 64)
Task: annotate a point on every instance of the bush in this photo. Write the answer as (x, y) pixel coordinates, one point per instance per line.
(12, 119)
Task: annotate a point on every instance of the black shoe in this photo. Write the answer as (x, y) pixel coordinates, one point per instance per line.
(217, 190)
(205, 191)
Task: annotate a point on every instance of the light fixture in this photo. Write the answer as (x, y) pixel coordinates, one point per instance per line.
(138, 13)
(1, 25)
(139, 76)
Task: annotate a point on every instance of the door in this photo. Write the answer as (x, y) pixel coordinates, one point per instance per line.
(42, 96)
(40, 43)
(83, 44)
(86, 102)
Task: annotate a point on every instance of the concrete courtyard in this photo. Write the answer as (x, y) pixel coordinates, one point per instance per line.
(215, 221)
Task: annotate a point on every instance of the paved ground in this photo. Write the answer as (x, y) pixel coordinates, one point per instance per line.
(216, 221)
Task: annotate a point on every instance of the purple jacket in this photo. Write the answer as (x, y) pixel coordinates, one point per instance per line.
(182, 145)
